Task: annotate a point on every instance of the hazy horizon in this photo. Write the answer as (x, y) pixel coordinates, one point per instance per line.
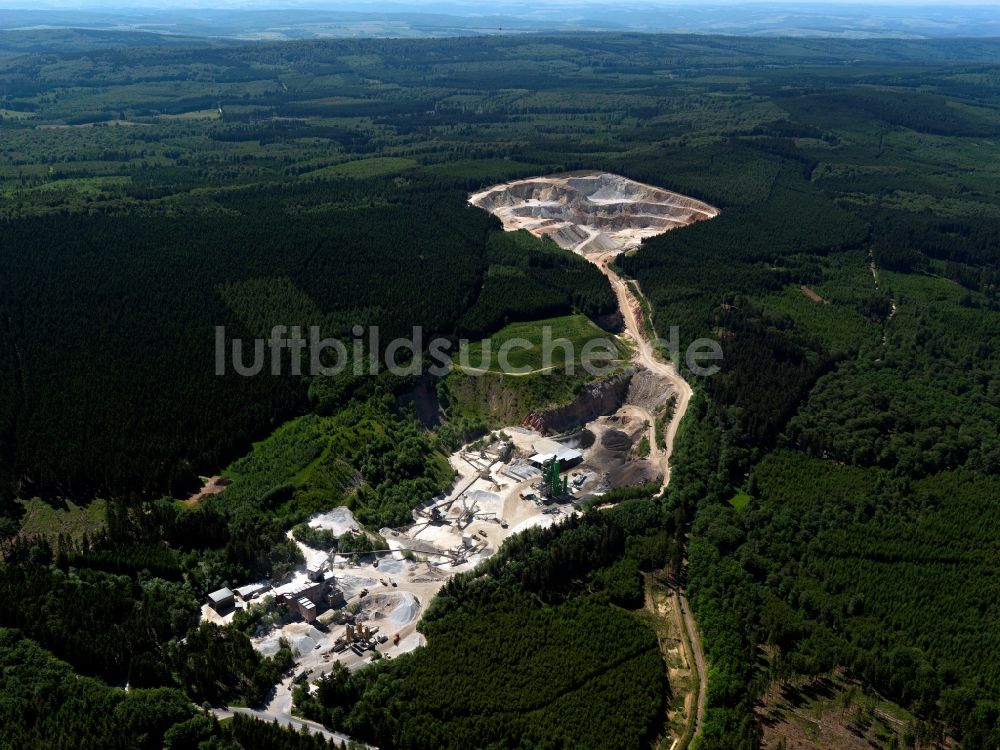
(277, 20)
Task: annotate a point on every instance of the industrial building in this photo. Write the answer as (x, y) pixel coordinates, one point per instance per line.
(311, 590)
(549, 450)
(305, 608)
(335, 596)
(567, 457)
(252, 590)
(222, 600)
(307, 597)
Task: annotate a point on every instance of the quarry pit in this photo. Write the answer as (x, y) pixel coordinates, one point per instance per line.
(590, 213)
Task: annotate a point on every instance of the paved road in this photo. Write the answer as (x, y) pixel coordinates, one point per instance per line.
(279, 709)
(287, 721)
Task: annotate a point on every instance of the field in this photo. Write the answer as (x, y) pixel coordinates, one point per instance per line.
(375, 167)
(43, 520)
(740, 500)
(536, 338)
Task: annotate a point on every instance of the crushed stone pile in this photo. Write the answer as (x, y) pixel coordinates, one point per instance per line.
(648, 390)
(616, 440)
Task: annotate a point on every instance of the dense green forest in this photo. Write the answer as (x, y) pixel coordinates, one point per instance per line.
(91, 345)
(862, 423)
(151, 194)
(44, 704)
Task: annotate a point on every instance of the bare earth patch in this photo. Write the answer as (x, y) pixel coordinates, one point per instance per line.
(812, 295)
(210, 486)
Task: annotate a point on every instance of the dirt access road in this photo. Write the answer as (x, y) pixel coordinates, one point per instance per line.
(599, 216)
(646, 356)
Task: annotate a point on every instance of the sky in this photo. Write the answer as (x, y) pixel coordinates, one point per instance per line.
(487, 6)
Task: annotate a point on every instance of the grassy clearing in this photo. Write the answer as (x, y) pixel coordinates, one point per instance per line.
(11, 114)
(839, 327)
(524, 345)
(740, 500)
(837, 322)
(377, 167)
(658, 614)
(85, 186)
(42, 519)
(198, 114)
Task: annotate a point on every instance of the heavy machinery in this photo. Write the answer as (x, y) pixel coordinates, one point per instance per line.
(468, 514)
(552, 486)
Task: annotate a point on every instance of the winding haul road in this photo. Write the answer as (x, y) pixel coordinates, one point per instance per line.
(646, 356)
(582, 213)
(279, 709)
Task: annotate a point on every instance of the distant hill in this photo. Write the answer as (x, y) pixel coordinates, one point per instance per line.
(468, 18)
(40, 40)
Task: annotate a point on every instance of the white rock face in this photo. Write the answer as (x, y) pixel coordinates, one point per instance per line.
(339, 521)
(590, 214)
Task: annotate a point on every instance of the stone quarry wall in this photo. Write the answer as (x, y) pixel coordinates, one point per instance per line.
(598, 398)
